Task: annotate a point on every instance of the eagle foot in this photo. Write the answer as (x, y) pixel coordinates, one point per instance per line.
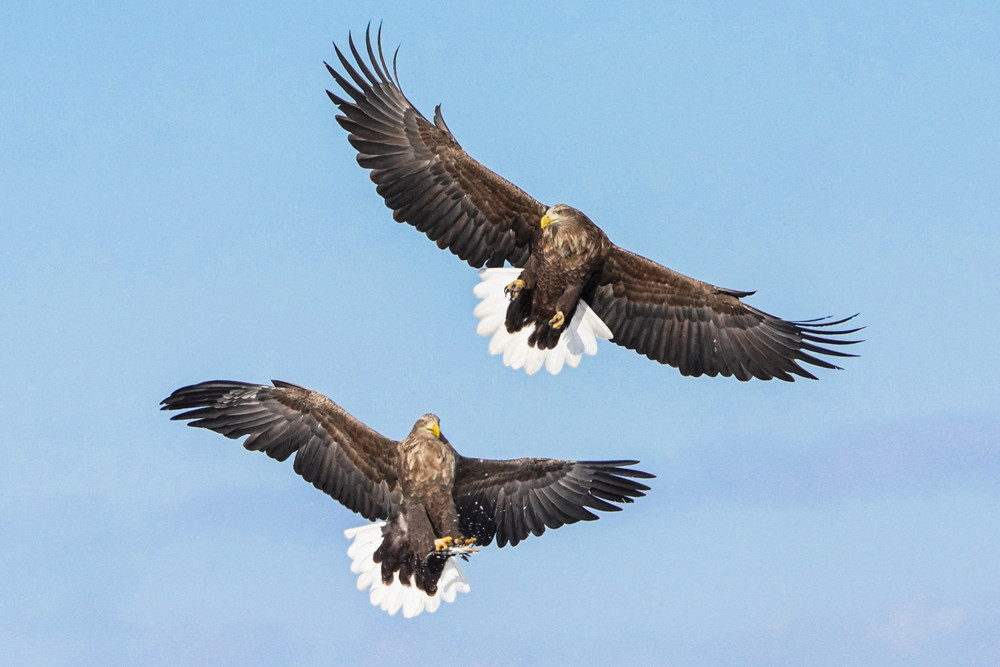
(514, 288)
(455, 546)
(557, 320)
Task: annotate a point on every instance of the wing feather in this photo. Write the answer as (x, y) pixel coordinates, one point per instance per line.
(422, 172)
(702, 329)
(333, 451)
(509, 500)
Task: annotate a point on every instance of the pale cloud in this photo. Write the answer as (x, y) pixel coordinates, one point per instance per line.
(881, 459)
(910, 625)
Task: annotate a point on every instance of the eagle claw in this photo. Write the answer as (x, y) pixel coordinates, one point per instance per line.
(557, 320)
(456, 546)
(514, 288)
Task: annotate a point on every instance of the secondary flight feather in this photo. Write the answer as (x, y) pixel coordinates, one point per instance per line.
(429, 504)
(570, 286)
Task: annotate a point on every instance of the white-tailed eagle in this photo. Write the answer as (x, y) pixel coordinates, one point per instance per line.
(428, 503)
(571, 285)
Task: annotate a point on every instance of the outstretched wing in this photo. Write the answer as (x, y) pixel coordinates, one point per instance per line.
(702, 329)
(334, 451)
(510, 499)
(424, 175)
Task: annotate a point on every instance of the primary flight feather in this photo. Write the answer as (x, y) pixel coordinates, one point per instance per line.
(574, 285)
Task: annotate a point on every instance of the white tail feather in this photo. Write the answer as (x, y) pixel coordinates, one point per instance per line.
(397, 595)
(579, 338)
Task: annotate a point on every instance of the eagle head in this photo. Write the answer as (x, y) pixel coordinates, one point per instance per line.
(429, 422)
(556, 214)
(562, 213)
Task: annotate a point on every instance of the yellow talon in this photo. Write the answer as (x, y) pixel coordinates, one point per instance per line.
(442, 543)
(557, 320)
(514, 288)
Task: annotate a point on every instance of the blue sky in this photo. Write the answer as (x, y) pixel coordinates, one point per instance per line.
(179, 205)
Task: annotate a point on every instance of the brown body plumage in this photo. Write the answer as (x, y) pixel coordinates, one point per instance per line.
(427, 473)
(426, 510)
(426, 490)
(430, 182)
(568, 253)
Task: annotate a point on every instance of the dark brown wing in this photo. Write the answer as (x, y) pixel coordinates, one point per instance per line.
(510, 499)
(334, 451)
(702, 329)
(424, 175)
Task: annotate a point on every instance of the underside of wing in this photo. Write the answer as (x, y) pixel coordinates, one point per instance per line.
(334, 451)
(421, 171)
(511, 499)
(702, 329)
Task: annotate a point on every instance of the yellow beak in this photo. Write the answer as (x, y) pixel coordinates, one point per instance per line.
(546, 221)
(435, 429)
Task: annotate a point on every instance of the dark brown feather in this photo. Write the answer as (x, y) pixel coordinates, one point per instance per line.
(422, 172)
(512, 499)
(334, 451)
(408, 548)
(563, 259)
(702, 329)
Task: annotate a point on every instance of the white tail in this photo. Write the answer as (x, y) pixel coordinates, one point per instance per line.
(579, 338)
(397, 595)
